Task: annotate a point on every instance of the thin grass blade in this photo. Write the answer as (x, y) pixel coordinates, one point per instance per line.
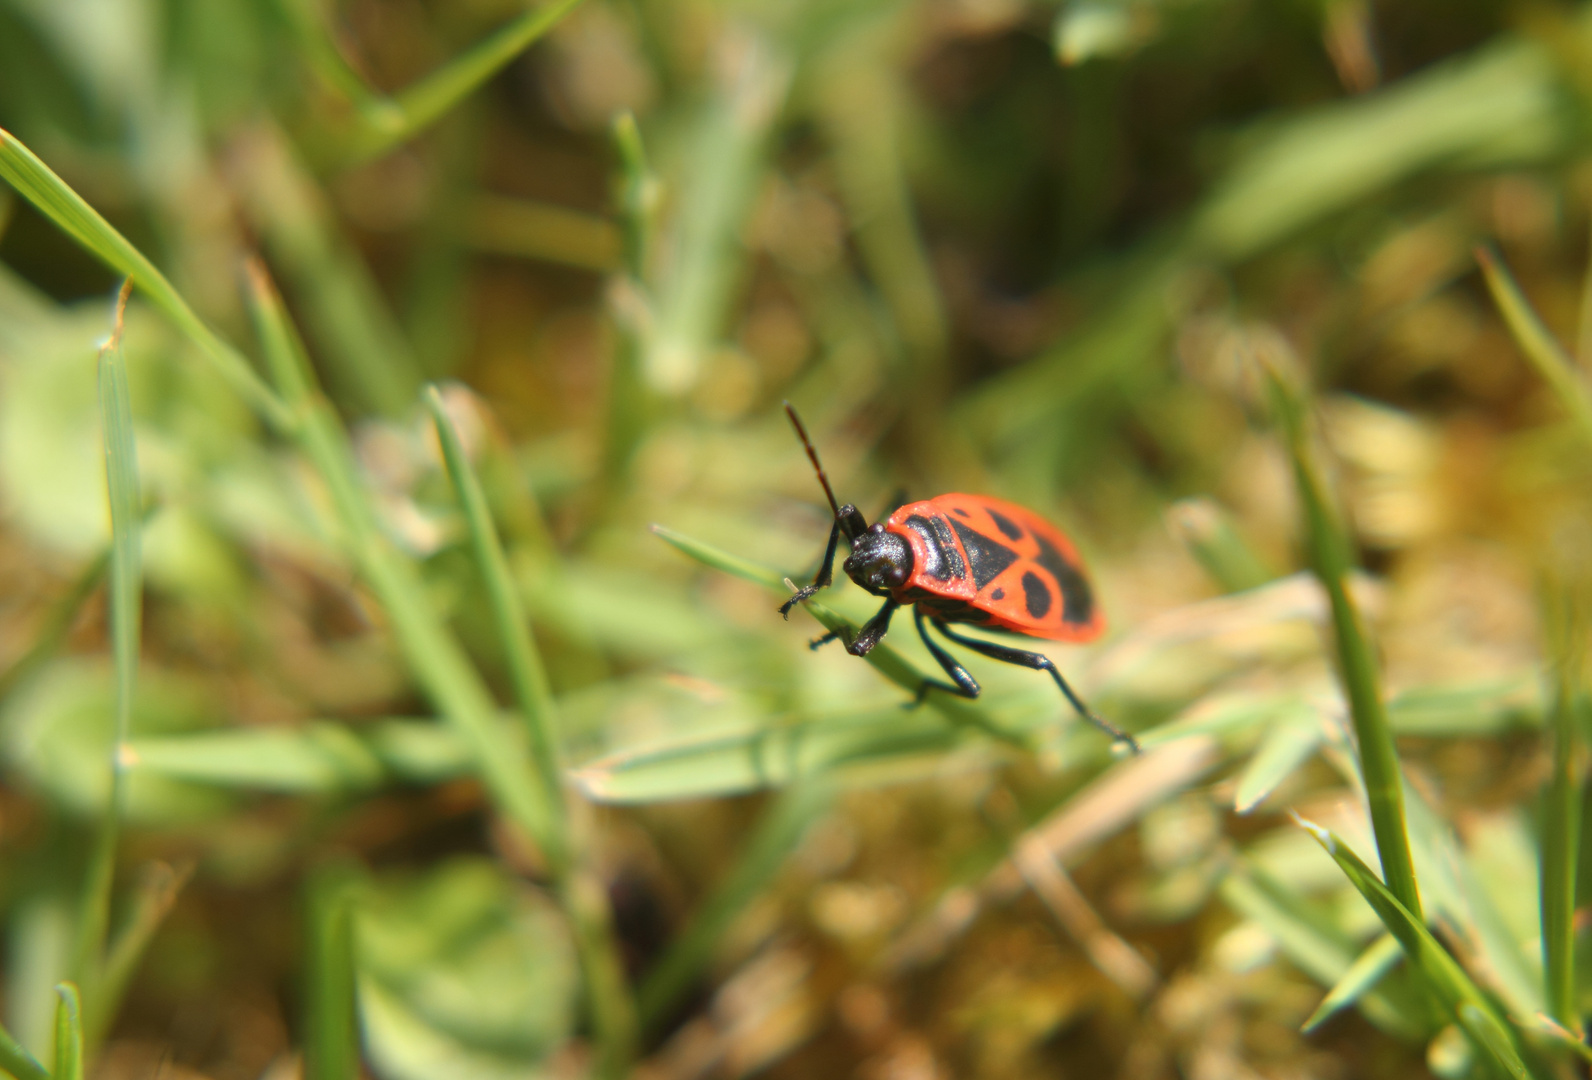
(125, 603)
(152, 900)
(1291, 741)
(1329, 552)
(1366, 971)
(1208, 532)
(1460, 997)
(449, 679)
(69, 1053)
(52, 197)
(422, 104)
(531, 690)
(778, 832)
(1536, 342)
(1561, 812)
(889, 663)
(331, 1031)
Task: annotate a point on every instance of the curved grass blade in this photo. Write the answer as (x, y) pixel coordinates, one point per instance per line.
(68, 1033)
(51, 196)
(1329, 551)
(1459, 996)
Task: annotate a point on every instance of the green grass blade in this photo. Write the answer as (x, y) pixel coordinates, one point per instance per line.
(1460, 997)
(125, 604)
(57, 624)
(531, 691)
(152, 900)
(1536, 342)
(1329, 551)
(1561, 815)
(712, 557)
(15, 1059)
(314, 759)
(1366, 971)
(1288, 744)
(331, 1028)
(724, 166)
(51, 196)
(448, 678)
(638, 194)
(69, 1053)
(423, 103)
(889, 663)
(778, 832)
(367, 359)
(529, 229)
(1216, 544)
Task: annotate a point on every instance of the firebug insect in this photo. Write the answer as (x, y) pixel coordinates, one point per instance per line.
(963, 559)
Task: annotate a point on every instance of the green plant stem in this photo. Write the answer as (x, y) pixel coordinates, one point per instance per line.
(1328, 547)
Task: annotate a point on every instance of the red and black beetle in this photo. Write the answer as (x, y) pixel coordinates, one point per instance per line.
(963, 559)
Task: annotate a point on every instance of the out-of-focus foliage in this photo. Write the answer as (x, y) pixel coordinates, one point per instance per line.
(352, 723)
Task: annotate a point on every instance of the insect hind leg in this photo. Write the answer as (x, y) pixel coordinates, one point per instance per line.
(1040, 662)
(962, 684)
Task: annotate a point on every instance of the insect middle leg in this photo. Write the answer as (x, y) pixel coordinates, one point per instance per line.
(1039, 662)
(867, 637)
(964, 684)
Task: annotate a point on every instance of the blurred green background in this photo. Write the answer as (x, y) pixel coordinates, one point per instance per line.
(375, 730)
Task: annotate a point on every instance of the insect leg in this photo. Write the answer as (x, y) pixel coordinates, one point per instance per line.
(872, 630)
(826, 573)
(965, 686)
(1040, 662)
(819, 642)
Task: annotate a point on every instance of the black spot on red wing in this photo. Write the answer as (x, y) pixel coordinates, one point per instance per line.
(1005, 524)
(987, 557)
(959, 512)
(998, 594)
(1036, 595)
(944, 562)
(1076, 596)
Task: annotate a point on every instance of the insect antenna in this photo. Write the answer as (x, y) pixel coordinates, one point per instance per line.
(812, 455)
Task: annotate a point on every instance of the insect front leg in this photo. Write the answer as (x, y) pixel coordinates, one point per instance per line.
(826, 573)
(1041, 662)
(964, 684)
